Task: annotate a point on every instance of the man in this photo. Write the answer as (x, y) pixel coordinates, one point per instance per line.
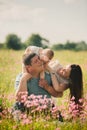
(34, 66)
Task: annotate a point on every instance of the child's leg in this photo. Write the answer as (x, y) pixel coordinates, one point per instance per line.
(42, 75)
(22, 85)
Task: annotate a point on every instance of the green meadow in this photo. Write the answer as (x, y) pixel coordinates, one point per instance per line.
(10, 66)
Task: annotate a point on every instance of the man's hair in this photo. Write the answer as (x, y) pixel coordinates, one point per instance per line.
(27, 58)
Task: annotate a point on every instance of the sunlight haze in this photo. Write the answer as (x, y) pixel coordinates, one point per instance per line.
(55, 20)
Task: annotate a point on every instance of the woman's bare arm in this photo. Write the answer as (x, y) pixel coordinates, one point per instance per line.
(59, 87)
(44, 84)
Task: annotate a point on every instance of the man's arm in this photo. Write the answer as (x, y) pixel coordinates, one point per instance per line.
(44, 84)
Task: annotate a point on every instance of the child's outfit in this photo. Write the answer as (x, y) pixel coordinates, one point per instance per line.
(34, 49)
(55, 66)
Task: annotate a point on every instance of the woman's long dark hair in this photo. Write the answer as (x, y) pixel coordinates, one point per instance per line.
(76, 82)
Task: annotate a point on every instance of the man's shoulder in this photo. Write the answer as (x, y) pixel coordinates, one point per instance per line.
(47, 74)
(48, 78)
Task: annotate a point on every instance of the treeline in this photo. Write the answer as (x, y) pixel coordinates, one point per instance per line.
(12, 41)
(75, 46)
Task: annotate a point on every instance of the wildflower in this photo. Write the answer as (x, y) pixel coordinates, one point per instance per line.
(15, 127)
(0, 121)
(57, 129)
(80, 100)
(26, 121)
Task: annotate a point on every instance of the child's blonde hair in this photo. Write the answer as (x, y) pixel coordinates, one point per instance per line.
(48, 52)
(27, 51)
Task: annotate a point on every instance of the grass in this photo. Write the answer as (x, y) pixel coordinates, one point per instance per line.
(10, 66)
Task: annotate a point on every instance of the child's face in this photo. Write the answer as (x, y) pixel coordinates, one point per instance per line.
(46, 55)
(44, 58)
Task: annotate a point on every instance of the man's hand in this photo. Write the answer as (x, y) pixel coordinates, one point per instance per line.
(43, 83)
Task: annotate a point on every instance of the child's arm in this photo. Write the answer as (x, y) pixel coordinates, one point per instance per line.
(22, 85)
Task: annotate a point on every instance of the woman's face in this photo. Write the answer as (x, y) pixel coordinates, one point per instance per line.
(65, 72)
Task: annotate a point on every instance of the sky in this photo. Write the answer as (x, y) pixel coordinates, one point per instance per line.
(55, 20)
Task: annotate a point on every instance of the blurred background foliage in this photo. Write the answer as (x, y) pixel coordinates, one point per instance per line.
(12, 41)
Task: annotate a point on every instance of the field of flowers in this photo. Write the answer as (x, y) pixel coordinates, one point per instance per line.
(40, 114)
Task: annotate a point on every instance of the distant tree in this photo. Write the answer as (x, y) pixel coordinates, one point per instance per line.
(1, 45)
(81, 46)
(13, 42)
(58, 47)
(70, 45)
(36, 40)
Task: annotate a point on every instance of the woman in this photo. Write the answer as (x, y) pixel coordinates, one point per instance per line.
(73, 74)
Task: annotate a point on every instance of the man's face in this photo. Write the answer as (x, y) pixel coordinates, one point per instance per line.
(36, 64)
